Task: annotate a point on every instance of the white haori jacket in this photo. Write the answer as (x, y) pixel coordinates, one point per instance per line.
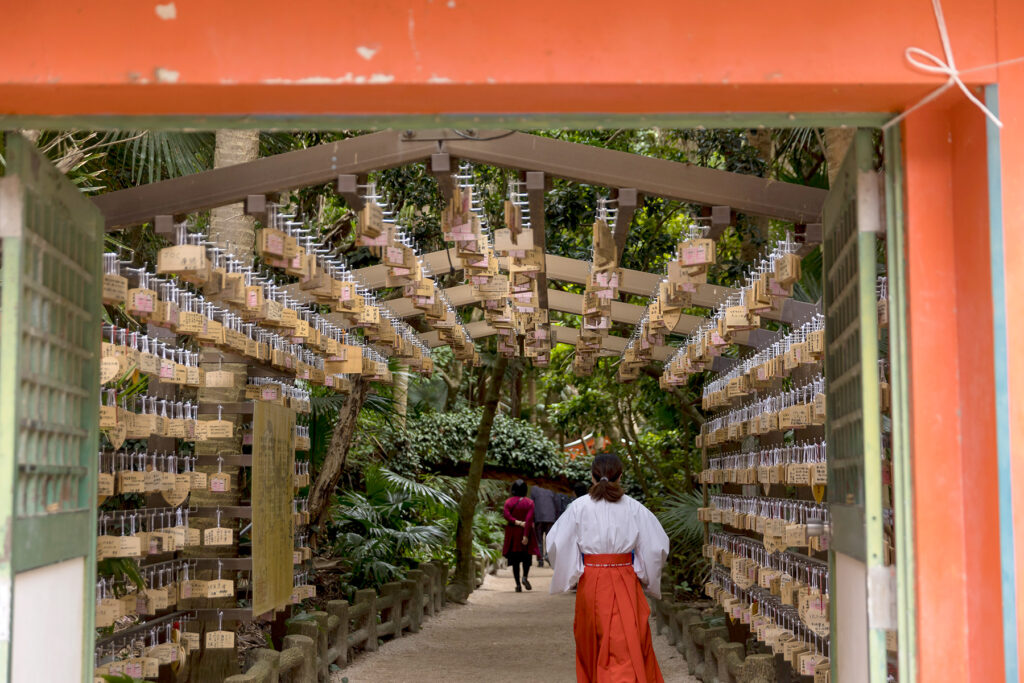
(598, 527)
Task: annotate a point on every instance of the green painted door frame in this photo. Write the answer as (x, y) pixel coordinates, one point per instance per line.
(895, 226)
(50, 317)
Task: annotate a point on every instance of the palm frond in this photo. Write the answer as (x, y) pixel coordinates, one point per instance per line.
(679, 516)
(417, 489)
(420, 535)
(152, 155)
(808, 289)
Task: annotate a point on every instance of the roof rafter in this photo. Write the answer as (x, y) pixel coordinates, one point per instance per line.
(353, 156)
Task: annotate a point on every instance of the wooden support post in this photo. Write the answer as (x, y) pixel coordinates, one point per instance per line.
(690, 618)
(759, 667)
(392, 616)
(339, 635)
(729, 657)
(256, 206)
(430, 582)
(441, 582)
(368, 597)
(415, 582)
(305, 648)
(441, 169)
(317, 630)
(348, 187)
(263, 667)
(535, 194)
(163, 225)
(628, 201)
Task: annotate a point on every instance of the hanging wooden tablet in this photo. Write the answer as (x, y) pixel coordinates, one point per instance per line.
(115, 289)
(216, 536)
(141, 303)
(220, 640)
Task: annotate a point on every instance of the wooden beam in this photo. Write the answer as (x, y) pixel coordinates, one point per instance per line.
(628, 203)
(347, 186)
(792, 312)
(386, 149)
(302, 168)
(441, 168)
(535, 196)
(650, 176)
(565, 269)
(721, 218)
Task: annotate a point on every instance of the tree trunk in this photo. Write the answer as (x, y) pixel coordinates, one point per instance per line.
(531, 395)
(401, 394)
(837, 142)
(334, 462)
(229, 224)
(465, 566)
(453, 379)
(515, 399)
(481, 388)
(631, 447)
(229, 229)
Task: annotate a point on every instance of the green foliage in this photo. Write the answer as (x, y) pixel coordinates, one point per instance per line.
(432, 441)
(384, 530)
(121, 678)
(678, 515)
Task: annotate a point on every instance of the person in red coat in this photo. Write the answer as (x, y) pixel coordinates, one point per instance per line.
(520, 536)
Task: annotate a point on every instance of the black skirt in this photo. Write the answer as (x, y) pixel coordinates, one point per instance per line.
(520, 556)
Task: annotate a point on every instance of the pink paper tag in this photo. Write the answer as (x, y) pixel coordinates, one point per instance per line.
(693, 255)
(275, 245)
(380, 240)
(144, 303)
(166, 369)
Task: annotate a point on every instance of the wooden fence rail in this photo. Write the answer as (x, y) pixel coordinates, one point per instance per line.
(321, 639)
(702, 638)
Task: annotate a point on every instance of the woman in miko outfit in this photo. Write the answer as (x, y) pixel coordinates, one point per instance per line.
(614, 548)
(520, 536)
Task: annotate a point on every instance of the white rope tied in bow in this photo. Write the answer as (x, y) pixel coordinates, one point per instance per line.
(929, 63)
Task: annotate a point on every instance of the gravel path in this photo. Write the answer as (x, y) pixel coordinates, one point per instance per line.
(500, 637)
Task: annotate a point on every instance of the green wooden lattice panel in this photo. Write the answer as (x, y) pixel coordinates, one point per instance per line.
(49, 324)
(842, 358)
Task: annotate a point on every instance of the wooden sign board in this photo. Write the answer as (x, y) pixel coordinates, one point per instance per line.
(273, 467)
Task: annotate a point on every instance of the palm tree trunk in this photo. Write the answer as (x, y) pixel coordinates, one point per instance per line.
(465, 566)
(323, 487)
(228, 224)
(837, 142)
(400, 394)
(229, 227)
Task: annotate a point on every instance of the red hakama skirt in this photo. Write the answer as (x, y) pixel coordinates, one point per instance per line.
(612, 627)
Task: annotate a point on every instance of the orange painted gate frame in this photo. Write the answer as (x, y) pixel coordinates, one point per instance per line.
(794, 62)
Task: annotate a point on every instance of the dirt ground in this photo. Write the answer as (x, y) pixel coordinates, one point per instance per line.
(500, 637)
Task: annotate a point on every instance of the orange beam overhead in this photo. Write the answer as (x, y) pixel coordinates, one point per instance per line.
(414, 57)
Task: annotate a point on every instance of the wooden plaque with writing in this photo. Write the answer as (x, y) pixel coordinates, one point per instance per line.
(273, 467)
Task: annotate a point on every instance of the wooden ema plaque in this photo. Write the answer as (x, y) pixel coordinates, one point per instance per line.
(273, 469)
